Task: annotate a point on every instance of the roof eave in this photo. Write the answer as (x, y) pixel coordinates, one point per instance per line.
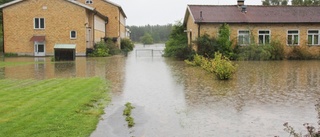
(10, 3)
(202, 22)
(120, 8)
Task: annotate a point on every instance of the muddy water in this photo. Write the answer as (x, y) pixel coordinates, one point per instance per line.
(173, 99)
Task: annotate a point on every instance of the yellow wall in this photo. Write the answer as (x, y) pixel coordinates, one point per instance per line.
(60, 18)
(116, 23)
(278, 33)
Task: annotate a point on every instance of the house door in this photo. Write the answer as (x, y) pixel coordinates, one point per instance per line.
(39, 49)
(88, 38)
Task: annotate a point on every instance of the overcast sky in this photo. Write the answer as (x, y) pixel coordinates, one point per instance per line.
(162, 12)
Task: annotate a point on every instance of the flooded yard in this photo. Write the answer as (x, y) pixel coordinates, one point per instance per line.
(175, 100)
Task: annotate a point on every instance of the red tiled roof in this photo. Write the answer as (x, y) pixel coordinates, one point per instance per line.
(255, 14)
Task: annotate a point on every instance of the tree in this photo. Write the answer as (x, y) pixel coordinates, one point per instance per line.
(275, 2)
(305, 2)
(177, 45)
(146, 39)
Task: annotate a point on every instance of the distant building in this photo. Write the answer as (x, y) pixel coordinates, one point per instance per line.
(46, 27)
(290, 25)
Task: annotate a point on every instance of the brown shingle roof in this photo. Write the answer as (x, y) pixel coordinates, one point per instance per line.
(255, 14)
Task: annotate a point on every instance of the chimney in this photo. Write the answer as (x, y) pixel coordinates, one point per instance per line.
(240, 3)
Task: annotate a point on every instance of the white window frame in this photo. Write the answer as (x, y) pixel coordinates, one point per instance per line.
(71, 34)
(293, 36)
(313, 35)
(264, 37)
(39, 23)
(89, 1)
(243, 38)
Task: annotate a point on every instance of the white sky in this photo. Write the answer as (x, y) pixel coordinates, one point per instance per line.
(162, 12)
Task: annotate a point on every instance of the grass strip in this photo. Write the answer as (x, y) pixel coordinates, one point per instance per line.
(12, 64)
(54, 107)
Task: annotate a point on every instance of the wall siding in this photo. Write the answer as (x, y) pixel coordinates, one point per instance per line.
(60, 18)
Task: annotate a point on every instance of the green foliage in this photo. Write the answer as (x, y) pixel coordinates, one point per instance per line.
(221, 66)
(146, 39)
(305, 2)
(177, 45)
(159, 33)
(112, 47)
(53, 107)
(272, 51)
(126, 45)
(276, 50)
(10, 54)
(100, 50)
(275, 2)
(127, 113)
(208, 46)
(299, 53)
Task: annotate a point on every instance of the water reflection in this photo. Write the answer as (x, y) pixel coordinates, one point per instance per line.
(173, 99)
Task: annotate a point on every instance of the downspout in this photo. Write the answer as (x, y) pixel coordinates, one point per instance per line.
(119, 35)
(2, 32)
(199, 29)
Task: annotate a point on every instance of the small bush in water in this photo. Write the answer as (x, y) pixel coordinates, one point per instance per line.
(221, 66)
(127, 113)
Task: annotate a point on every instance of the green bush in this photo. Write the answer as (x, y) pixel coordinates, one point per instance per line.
(299, 53)
(208, 46)
(126, 45)
(254, 52)
(113, 48)
(221, 66)
(11, 54)
(177, 45)
(100, 50)
(146, 39)
(277, 50)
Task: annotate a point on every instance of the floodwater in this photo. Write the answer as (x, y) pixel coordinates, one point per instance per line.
(172, 99)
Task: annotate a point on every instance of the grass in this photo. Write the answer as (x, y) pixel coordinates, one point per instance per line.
(127, 113)
(12, 64)
(54, 107)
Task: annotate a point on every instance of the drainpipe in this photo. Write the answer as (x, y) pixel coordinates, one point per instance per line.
(2, 33)
(199, 28)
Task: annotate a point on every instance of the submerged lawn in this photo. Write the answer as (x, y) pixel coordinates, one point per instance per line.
(55, 107)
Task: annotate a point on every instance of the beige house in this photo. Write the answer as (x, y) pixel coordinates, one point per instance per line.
(290, 25)
(64, 27)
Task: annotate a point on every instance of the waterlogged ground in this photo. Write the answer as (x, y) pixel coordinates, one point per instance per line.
(176, 100)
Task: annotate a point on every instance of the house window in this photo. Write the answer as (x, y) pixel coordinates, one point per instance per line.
(39, 23)
(264, 37)
(73, 34)
(88, 1)
(243, 37)
(293, 37)
(313, 37)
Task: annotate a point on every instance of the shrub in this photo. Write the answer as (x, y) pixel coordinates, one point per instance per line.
(221, 66)
(126, 45)
(207, 46)
(147, 39)
(254, 52)
(299, 53)
(277, 50)
(100, 50)
(11, 54)
(113, 48)
(177, 45)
